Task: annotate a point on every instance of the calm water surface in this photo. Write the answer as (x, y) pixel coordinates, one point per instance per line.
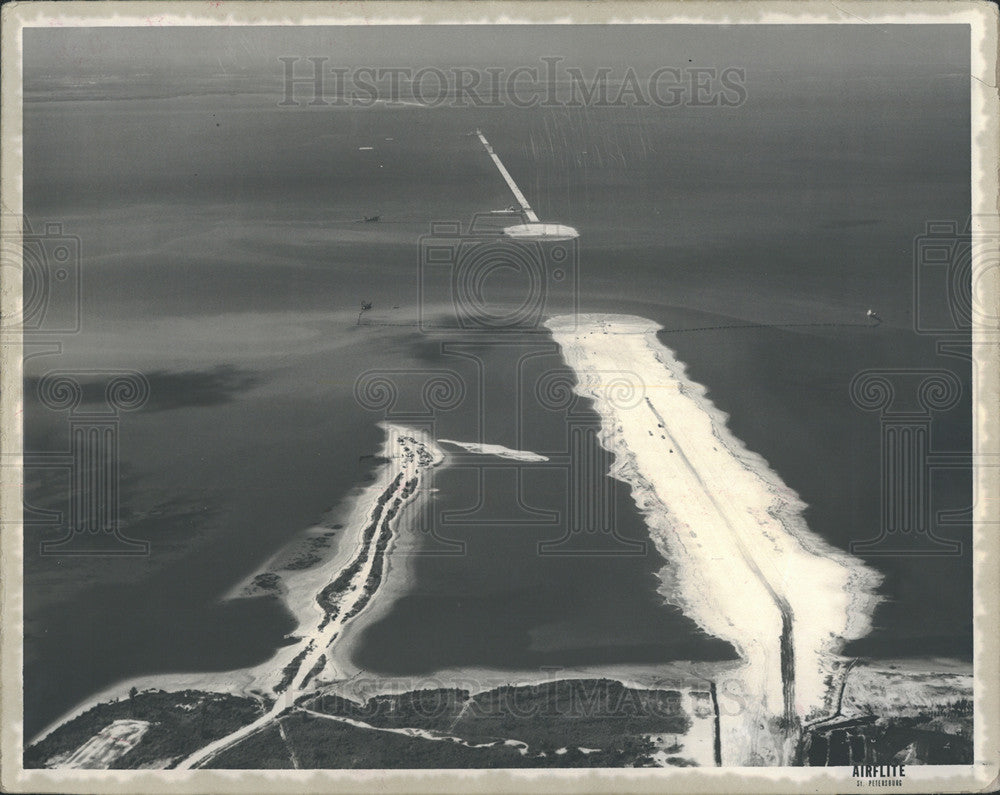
(222, 258)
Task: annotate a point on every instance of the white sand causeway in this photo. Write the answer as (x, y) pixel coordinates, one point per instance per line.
(742, 562)
(410, 454)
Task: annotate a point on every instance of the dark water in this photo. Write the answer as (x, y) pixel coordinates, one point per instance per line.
(220, 256)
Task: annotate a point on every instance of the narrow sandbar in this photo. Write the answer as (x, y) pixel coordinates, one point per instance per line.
(407, 454)
(498, 450)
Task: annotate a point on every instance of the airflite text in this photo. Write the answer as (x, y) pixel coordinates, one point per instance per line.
(879, 775)
(878, 771)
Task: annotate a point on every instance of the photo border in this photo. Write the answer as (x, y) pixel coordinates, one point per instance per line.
(982, 20)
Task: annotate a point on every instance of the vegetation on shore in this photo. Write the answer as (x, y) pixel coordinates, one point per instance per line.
(563, 723)
(941, 736)
(325, 744)
(180, 724)
(289, 671)
(329, 597)
(263, 750)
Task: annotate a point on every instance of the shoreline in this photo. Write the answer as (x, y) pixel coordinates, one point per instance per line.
(298, 593)
(742, 562)
(893, 688)
(408, 454)
(328, 667)
(400, 565)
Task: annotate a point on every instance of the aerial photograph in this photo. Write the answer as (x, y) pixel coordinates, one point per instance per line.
(497, 396)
